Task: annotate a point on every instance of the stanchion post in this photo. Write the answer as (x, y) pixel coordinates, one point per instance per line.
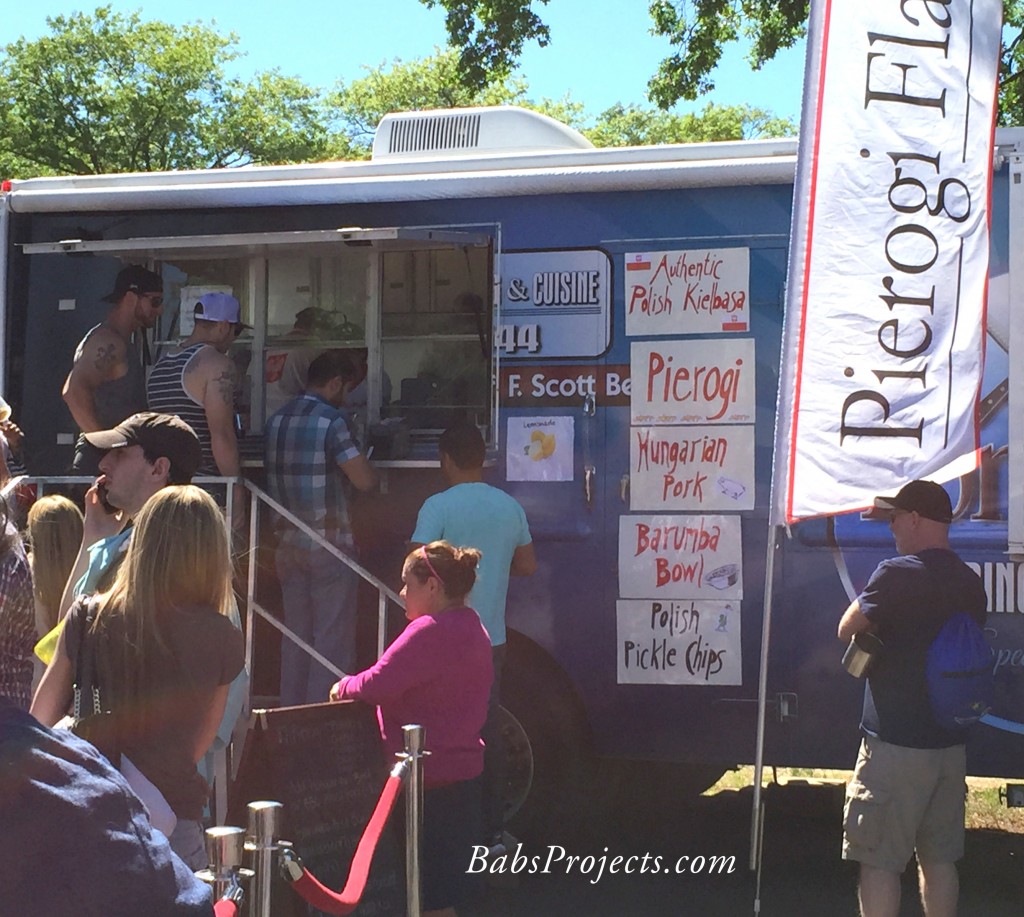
(261, 841)
(225, 847)
(413, 817)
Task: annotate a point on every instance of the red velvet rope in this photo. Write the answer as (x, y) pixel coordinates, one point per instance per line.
(344, 902)
(225, 908)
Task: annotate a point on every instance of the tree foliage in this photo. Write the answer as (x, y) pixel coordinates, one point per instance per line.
(433, 82)
(699, 31)
(491, 34)
(417, 85)
(108, 92)
(633, 125)
(1011, 68)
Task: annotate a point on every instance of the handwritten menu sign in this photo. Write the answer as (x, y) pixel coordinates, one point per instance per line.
(688, 642)
(680, 557)
(692, 382)
(701, 291)
(691, 468)
(325, 764)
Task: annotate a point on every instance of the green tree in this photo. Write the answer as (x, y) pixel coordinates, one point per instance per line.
(1011, 67)
(492, 34)
(420, 85)
(433, 82)
(633, 125)
(108, 92)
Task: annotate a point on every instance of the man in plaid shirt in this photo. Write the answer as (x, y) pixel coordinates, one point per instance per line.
(311, 461)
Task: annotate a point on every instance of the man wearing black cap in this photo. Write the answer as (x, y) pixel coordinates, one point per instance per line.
(907, 793)
(138, 457)
(106, 383)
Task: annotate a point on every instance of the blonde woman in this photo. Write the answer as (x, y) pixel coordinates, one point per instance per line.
(165, 651)
(54, 535)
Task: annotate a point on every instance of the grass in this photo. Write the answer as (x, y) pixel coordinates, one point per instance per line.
(985, 809)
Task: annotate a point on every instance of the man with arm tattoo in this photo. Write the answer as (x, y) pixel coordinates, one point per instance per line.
(196, 381)
(106, 382)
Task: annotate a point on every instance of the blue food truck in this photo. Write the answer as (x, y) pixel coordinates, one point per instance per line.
(611, 320)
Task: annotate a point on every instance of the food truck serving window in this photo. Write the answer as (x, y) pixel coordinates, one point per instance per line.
(412, 306)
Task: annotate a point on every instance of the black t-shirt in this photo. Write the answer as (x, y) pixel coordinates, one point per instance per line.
(908, 599)
(205, 651)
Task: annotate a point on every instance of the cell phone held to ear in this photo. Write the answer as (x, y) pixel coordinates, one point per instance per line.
(101, 492)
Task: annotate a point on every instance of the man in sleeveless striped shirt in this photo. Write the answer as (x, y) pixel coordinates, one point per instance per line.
(196, 381)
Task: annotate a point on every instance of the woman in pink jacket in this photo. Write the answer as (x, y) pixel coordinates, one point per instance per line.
(437, 674)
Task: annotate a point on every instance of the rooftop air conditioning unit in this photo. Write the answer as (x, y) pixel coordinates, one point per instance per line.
(471, 132)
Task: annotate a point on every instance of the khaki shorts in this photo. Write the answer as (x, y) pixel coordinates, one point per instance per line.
(905, 799)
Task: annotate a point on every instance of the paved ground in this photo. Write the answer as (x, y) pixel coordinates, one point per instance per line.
(802, 875)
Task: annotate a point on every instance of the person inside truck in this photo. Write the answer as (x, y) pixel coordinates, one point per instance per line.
(287, 368)
(106, 383)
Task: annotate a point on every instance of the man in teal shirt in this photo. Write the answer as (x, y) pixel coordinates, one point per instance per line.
(473, 514)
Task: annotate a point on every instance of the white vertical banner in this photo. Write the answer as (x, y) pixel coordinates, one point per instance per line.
(883, 345)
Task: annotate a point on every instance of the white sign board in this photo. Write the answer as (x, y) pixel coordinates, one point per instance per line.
(555, 304)
(702, 291)
(680, 557)
(692, 382)
(691, 468)
(690, 642)
(539, 449)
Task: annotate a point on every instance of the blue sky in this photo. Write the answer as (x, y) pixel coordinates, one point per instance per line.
(600, 51)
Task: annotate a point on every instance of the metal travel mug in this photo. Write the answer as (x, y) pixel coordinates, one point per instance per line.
(861, 652)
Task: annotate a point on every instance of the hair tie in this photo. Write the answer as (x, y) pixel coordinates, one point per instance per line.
(423, 551)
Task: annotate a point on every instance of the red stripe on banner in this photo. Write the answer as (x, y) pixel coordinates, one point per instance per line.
(984, 299)
(807, 259)
(638, 265)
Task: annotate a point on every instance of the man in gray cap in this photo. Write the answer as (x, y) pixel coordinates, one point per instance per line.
(907, 793)
(106, 383)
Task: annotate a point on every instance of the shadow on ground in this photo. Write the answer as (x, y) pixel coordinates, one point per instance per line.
(802, 874)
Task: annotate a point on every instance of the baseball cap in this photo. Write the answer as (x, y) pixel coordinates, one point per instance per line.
(160, 435)
(220, 307)
(135, 279)
(926, 498)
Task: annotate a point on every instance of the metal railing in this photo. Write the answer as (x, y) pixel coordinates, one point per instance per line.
(385, 593)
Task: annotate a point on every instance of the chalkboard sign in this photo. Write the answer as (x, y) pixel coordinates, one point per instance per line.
(325, 764)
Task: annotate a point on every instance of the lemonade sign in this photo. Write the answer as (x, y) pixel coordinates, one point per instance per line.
(540, 449)
(542, 445)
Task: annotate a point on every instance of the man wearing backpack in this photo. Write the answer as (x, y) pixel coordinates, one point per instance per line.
(907, 792)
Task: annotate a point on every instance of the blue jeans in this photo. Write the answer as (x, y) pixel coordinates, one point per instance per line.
(319, 595)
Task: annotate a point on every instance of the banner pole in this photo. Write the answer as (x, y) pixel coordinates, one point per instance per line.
(757, 813)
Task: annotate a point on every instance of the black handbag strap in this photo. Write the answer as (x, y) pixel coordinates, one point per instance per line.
(86, 686)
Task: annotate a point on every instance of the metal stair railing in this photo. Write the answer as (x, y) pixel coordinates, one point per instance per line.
(384, 592)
